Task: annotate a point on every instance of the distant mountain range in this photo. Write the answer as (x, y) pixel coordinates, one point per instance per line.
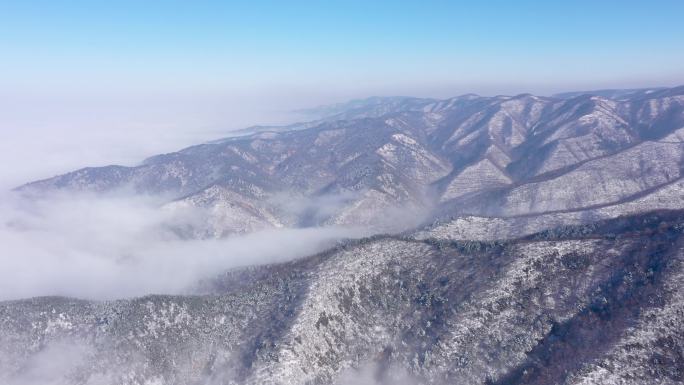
(527, 240)
(576, 157)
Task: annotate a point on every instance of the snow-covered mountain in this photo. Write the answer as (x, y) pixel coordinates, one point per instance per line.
(503, 156)
(593, 304)
(525, 240)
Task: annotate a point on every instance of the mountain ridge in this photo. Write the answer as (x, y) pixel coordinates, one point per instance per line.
(339, 310)
(424, 159)
(511, 240)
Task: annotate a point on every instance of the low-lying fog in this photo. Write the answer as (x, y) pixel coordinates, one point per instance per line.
(105, 247)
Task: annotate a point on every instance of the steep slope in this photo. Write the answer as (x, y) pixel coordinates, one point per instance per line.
(418, 159)
(476, 178)
(472, 227)
(603, 181)
(572, 306)
(541, 243)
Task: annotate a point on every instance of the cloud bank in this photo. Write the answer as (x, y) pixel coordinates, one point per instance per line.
(106, 247)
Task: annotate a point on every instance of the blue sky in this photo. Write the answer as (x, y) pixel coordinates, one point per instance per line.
(378, 46)
(173, 72)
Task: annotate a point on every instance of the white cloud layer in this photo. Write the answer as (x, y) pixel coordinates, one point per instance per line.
(121, 246)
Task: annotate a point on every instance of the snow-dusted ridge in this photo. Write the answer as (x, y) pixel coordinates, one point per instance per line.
(497, 156)
(537, 240)
(569, 305)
